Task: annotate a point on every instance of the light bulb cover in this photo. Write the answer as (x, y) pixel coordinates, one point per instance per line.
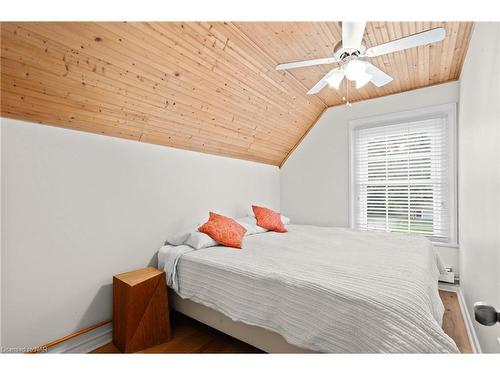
(335, 79)
(362, 80)
(355, 69)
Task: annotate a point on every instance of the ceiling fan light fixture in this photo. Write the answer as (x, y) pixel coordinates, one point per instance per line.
(335, 79)
(355, 69)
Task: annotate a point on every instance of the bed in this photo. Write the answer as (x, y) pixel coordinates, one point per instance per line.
(315, 289)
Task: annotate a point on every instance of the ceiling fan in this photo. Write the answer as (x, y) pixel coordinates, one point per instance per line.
(351, 56)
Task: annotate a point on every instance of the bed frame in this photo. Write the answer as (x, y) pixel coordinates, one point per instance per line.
(261, 338)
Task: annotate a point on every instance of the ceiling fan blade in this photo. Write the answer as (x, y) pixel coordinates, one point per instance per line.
(415, 40)
(379, 78)
(300, 64)
(323, 82)
(352, 34)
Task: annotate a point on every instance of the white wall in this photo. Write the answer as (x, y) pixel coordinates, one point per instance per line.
(78, 208)
(315, 179)
(479, 176)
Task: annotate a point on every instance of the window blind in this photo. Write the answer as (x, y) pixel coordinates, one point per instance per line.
(401, 176)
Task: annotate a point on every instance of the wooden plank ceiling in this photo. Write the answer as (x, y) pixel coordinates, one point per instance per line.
(207, 86)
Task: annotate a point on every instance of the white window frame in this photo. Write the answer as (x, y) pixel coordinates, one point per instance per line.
(449, 113)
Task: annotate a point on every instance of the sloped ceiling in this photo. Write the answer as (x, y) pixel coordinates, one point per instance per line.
(207, 86)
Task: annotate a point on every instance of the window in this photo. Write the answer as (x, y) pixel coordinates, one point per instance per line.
(403, 173)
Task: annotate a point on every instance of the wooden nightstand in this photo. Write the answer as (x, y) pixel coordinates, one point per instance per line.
(140, 310)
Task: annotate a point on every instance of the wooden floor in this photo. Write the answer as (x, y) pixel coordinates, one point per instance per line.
(453, 321)
(190, 336)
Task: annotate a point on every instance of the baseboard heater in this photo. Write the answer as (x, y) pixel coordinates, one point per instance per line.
(448, 276)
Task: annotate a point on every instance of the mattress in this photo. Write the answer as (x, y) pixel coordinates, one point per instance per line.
(330, 290)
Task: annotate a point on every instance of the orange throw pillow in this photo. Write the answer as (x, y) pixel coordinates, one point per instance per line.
(224, 230)
(268, 219)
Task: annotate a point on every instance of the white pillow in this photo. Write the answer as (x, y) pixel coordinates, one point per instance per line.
(178, 239)
(250, 229)
(199, 240)
(250, 225)
(250, 212)
(252, 222)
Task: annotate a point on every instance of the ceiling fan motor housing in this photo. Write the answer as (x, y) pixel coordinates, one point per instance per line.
(344, 55)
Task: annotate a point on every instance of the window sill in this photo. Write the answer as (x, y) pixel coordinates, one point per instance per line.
(451, 245)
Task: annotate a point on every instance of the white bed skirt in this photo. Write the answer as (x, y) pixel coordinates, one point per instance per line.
(263, 339)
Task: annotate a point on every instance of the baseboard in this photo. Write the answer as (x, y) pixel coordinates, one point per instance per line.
(102, 335)
(471, 332)
(86, 342)
(476, 347)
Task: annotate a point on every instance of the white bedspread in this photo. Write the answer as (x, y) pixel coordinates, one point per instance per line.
(326, 289)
